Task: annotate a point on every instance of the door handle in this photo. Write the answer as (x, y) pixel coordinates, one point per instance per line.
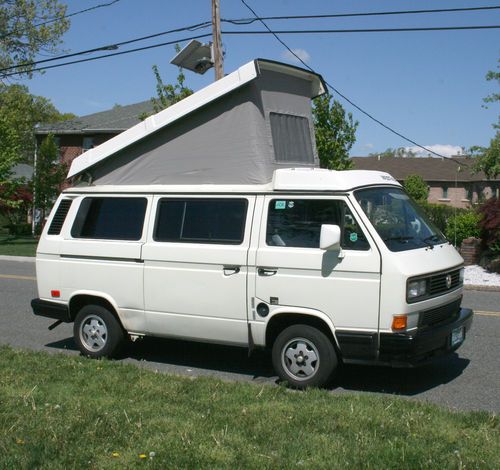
(230, 270)
(267, 271)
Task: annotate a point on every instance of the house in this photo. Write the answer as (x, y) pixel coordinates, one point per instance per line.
(451, 180)
(78, 135)
(236, 130)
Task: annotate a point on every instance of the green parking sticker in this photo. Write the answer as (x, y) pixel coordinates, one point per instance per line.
(353, 237)
(280, 205)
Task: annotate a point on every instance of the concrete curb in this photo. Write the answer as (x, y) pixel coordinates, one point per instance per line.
(483, 288)
(22, 259)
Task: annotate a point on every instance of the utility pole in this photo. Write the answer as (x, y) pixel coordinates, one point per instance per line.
(217, 41)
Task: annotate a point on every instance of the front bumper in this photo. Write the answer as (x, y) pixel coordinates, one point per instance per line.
(46, 308)
(423, 345)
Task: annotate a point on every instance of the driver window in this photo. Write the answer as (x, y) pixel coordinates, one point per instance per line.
(297, 223)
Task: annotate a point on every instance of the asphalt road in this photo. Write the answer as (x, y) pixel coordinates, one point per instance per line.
(468, 380)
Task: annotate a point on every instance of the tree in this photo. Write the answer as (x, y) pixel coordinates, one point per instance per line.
(23, 111)
(167, 95)
(416, 187)
(335, 133)
(50, 174)
(27, 28)
(487, 159)
(400, 152)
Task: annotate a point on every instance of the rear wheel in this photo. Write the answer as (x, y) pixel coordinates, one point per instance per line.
(304, 356)
(97, 332)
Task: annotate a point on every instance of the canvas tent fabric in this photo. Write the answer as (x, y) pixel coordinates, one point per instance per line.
(233, 132)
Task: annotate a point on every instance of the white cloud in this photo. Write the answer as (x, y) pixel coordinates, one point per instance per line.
(302, 53)
(368, 146)
(447, 150)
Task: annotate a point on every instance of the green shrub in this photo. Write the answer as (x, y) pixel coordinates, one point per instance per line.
(440, 214)
(462, 226)
(19, 229)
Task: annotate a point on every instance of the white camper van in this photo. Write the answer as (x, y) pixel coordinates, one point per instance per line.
(320, 266)
(210, 221)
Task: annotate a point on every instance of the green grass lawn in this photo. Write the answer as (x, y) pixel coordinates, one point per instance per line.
(17, 246)
(69, 412)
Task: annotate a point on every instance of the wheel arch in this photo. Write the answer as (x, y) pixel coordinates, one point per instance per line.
(80, 299)
(282, 319)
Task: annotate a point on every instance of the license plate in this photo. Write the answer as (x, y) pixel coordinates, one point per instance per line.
(457, 336)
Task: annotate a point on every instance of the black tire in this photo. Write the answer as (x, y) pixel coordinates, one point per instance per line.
(97, 332)
(304, 356)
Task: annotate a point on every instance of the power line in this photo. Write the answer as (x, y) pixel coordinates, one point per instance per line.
(108, 46)
(349, 15)
(207, 23)
(52, 20)
(341, 94)
(113, 54)
(364, 30)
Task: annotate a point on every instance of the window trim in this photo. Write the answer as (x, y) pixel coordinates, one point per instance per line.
(200, 198)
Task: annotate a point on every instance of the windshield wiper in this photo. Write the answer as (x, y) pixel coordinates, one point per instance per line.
(429, 239)
(401, 239)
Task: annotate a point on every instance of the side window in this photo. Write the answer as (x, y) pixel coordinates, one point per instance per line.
(201, 221)
(110, 218)
(297, 223)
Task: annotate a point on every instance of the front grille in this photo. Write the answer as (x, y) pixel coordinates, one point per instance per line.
(441, 314)
(438, 285)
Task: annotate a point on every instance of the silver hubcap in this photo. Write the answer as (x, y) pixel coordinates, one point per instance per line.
(93, 333)
(300, 359)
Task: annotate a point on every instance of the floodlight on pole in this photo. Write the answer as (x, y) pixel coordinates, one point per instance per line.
(196, 57)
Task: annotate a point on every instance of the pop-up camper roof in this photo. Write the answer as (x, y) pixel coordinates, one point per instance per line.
(237, 130)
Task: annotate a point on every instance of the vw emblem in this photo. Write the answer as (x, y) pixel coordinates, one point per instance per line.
(448, 281)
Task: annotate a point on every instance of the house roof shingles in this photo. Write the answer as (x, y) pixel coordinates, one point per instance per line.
(117, 119)
(430, 169)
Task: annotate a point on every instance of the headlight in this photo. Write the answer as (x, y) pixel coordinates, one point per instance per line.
(462, 275)
(416, 289)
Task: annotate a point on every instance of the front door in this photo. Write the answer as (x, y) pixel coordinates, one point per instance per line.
(291, 269)
(195, 268)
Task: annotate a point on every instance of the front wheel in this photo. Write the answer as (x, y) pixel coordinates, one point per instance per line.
(97, 332)
(304, 356)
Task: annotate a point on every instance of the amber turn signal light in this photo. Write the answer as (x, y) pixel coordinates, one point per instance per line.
(399, 322)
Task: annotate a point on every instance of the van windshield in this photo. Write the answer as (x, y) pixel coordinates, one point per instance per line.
(398, 220)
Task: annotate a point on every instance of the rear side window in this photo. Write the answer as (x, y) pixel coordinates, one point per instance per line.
(110, 218)
(201, 221)
(297, 223)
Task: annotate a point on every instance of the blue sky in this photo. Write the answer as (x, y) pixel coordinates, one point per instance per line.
(427, 85)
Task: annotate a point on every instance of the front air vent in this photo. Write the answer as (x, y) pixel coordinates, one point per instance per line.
(59, 217)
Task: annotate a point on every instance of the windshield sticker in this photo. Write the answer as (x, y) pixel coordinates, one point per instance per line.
(291, 204)
(353, 237)
(280, 205)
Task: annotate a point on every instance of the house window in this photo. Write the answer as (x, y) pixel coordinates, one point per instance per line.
(445, 192)
(291, 138)
(88, 143)
(468, 193)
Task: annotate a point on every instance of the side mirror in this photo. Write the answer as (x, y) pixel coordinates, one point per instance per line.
(330, 237)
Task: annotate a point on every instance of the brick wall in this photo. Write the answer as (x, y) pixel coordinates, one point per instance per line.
(471, 250)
